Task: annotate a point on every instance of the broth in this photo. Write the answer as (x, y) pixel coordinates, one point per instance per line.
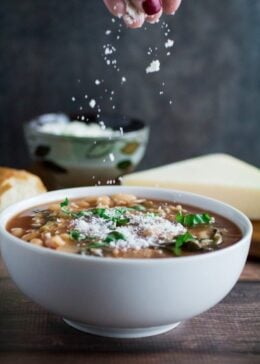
(124, 226)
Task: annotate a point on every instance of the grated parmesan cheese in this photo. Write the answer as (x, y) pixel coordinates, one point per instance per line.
(92, 103)
(169, 43)
(153, 67)
(142, 230)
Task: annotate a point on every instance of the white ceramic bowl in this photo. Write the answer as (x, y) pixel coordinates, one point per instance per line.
(125, 298)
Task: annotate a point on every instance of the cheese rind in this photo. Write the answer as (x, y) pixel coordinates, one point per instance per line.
(219, 176)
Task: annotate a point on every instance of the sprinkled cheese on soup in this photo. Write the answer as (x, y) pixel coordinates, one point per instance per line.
(140, 231)
(124, 226)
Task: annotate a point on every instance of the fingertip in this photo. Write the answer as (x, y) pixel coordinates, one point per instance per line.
(116, 7)
(133, 23)
(154, 18)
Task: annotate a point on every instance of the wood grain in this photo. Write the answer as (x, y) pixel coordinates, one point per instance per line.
(251, 271)
(228, 333)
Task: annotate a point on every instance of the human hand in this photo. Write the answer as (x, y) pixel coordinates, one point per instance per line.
(136, 12)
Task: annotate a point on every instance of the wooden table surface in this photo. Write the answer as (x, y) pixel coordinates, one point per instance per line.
(228, 333)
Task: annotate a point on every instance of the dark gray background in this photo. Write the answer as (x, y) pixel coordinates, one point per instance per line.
(212, 75)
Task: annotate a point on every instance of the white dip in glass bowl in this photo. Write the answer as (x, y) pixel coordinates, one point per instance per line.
(80, 150)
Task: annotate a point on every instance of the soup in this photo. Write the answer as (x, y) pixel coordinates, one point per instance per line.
(124, 226)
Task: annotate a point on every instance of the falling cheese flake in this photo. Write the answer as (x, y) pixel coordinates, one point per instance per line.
(92, 103)
(108, 51)
(73, 99)
(153, 67)
(169, 43)
(108, 32)
(97, 82)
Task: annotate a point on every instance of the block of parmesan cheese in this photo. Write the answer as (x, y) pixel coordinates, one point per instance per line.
(219, 176)
(16, 185)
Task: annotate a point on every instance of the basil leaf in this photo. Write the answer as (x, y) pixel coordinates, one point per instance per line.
(77, 235)
(64, 206)
(81, 213)
(113, 236)
(191, 220)
(118, 215)
(65, 202)
(101, 212)
(139, 207)
(152, 214)
(121, 221)
(120, 210)
(180, 241)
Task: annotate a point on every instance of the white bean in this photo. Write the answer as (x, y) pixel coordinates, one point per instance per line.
(36, 241)
(17, 231)
(124, 199)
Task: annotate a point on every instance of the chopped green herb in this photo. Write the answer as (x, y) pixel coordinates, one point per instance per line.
(180, 241)
(101, 212)
(77, 235)
(191, 220)
(139, 207)
(117, 217)
(81, 213)
(97, 245)
(121, 210)
(64, 205)
(151, 214)
(121, 221)
(65, 202)
(113, 236)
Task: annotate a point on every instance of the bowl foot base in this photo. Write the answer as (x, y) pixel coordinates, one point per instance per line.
(121, 333)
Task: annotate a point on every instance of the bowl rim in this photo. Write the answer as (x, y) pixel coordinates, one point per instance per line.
(17, 208)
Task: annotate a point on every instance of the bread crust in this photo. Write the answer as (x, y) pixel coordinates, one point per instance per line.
(9, 173)
(9, 179)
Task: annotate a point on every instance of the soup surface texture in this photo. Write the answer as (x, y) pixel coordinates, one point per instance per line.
(124, 226)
